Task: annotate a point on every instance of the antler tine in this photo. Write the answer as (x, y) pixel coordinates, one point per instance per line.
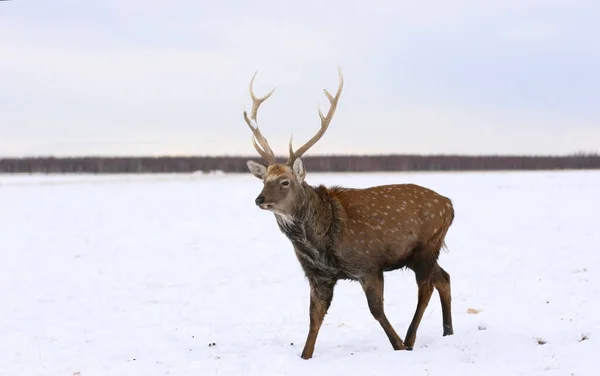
(325, 120)
(264, 149)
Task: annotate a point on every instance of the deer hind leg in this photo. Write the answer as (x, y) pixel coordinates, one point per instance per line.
(373, 288)
(441, 282)
(425, 282)
(321, 294)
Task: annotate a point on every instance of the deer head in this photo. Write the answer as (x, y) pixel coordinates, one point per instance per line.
(283, 183)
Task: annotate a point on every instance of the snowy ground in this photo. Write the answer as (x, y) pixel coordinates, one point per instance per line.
(137, 275)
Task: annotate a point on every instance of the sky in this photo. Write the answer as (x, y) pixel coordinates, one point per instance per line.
(132, 77)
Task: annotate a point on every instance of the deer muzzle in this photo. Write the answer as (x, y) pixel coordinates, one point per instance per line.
(260, 202)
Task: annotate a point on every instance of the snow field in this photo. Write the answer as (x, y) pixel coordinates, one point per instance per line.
(140, 275)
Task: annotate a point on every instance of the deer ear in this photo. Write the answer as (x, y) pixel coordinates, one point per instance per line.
(299, 170)
(257, 169)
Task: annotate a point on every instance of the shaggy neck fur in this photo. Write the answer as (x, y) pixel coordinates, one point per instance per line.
(313, 229)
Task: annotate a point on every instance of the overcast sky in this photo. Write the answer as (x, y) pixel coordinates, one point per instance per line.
(132, 77)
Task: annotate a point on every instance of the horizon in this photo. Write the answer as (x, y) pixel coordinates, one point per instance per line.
(284, 157)
(153, 79)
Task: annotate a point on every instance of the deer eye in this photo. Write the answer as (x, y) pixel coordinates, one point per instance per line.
(285, 183)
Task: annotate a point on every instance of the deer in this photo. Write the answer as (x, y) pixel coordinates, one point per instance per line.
(353, 234)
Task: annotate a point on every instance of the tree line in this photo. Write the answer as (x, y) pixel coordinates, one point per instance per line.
(339, 163)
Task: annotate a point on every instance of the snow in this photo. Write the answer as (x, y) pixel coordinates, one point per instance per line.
(138, 275)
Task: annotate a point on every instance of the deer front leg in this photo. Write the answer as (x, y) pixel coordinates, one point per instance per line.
(373, 287)
(425, 284)
(441, 282)
(321, 294)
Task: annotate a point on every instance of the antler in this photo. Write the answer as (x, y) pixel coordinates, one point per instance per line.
(325, 120)
(264, 149)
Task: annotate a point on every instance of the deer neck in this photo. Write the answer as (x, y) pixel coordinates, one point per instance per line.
(313, 230)
(313, 216)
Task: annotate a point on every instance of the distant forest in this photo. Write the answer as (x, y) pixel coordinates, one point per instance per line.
(342, 163)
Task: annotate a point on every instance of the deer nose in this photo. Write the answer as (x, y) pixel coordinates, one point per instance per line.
(259, 200)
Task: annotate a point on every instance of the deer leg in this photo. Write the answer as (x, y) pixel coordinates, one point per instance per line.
(373, 287)
(425, 285)
(321, 295)
(441, 282)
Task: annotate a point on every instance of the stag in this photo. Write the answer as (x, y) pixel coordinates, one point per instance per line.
(354, 234)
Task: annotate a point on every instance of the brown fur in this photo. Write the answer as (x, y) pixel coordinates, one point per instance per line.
(358, 234)
(276, 170)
